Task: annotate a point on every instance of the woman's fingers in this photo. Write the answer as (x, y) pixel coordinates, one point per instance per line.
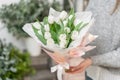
(58, 58)
(81, 67)
(75, 70)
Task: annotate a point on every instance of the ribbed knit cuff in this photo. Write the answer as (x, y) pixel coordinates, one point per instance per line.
(95, 60)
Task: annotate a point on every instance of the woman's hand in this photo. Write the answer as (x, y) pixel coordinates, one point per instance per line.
(59, 59)
(81, 67)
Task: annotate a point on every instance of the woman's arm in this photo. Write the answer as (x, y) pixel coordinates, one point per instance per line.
(110, 59)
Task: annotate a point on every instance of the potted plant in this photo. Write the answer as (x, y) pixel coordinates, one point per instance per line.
(14, 65)
(26, 11)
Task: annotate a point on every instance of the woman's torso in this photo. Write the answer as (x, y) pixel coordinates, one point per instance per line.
(106, 26)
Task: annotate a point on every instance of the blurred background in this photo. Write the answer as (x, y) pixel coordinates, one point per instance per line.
(21, 58)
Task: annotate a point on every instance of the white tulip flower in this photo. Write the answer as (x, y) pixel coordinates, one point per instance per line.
(62, 44)
(70, 17)
(62, 37)
(36, 25)
(63, 15)
(51, 19)
(67, 29)
(65, 22)
(57, 20)
(47, 35)
(39, 31)
(74, 35)
(50, 42)
(46, 27)
(64, 41)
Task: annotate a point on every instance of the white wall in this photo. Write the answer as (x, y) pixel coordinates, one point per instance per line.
(4, 32)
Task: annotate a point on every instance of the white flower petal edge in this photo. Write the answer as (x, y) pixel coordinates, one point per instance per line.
(63, 15)
(51, 19)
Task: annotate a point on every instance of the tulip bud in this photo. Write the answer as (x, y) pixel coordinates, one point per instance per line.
(63, 44)
(50, 42)
(65, 22)
(47, 28)
(39, 31)
(62, 37)
(51, 19)
(47, 35)
(70, 17)
(63, 15)
(67, 29)
(74, 35)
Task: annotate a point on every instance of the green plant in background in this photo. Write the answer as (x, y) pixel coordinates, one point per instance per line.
(26, 11)
(14, 65)
(66, 5)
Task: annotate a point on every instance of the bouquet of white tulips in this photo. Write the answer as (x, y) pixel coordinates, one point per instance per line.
(64, 37)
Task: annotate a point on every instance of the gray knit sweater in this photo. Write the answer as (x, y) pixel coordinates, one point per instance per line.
(107, 53)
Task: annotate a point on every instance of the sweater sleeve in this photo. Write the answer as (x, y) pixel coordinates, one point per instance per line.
(110, 59)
